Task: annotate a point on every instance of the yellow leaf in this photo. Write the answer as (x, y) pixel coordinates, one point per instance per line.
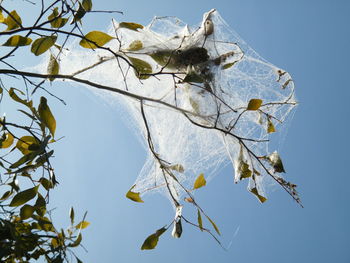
(41, 45)
(46, 116)
(141, 67)
(135, 45)
(87, 5)
(130, 25)
(54, 242)
(270, 126)
(26, 211)
(2, 18)
(13, 21)
(134, 196)
(25, 142)
(254, 104)
(53, 68)
(95, 39)
(82, 225)
(56, 20)
(200, 181)
(6, 140)
(261, 198)
(214, 225)
(17, 41)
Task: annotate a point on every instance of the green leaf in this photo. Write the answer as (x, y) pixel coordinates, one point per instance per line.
(76, 242)
(177, 167)
(40, 205)
(87, 5)
(228, 65)
(24, 196)
(25, 142)
(152, 240)
(57, 20)
(13, 21)
(17, 41)
(130, 25)
(214, 225)
(254, 104)
(47, 184)
(193, 77)
(200, 182)
(44, 158)
(276, 162)
(71, 215)
(82, 225)
(141, 67)
(46, 116)
(199, 218)
(79, 14)
(25, 159)
(53, 68)
(26, 212)
(6, 140)
(95, 39)
(270, 126)
(41, 45)
(135, 45)
(261, 198)
(134, 196)
(6, 195)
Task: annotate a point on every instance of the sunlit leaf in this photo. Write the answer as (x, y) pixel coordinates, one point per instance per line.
(177, 167)
(41, 45)
(24, 196)
(56, 20)
(87, 5)
(134, 196)
(270, 126)
(54, 242)
(95, 39)
(2, 18)
(254, 104)
(82, 225)
(76, 242)
(152, 240)
(276, 162)
(214, 225)
(135, 45)
(13, 21)
(46, 116)
(199, 219)
(228, 65)
(200, 182)
(261, 198)
(26, 211)
(141, 67)
(25, 142)
(130, 25)
(6, 140)
(15, 97)
(17, 41)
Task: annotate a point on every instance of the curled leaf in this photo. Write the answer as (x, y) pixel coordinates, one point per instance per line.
(27, 144)
(53, 67)
(6, 140)
(134, 196)
(276, 162)
(46, 116)
(261, 198)
(270, 126)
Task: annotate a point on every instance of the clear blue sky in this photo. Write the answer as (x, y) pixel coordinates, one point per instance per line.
(99, 158)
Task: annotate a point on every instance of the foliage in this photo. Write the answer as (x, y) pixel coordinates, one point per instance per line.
(27, 230)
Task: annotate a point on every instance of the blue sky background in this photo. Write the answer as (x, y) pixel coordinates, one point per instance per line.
(99, 158)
